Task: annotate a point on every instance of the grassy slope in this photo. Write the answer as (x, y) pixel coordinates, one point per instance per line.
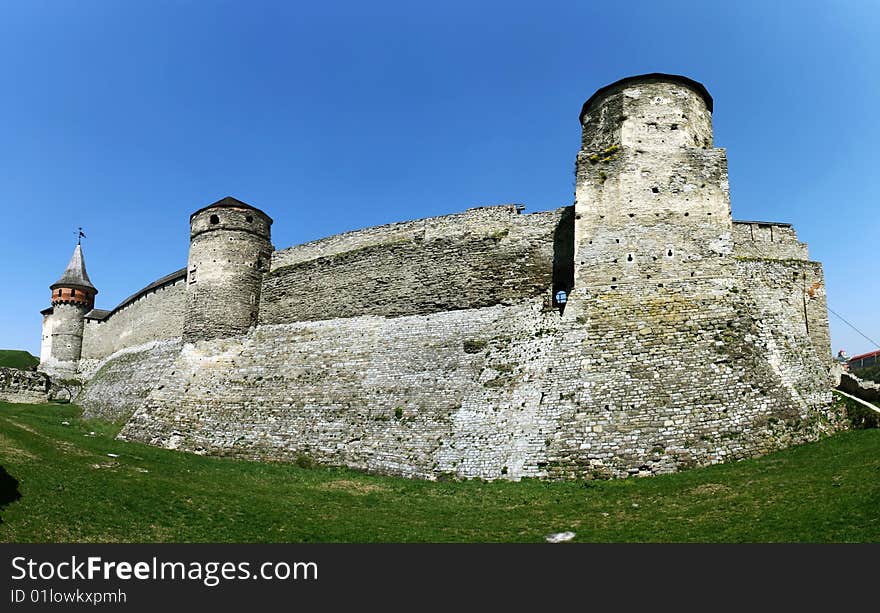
(14, 358)
(72, 491)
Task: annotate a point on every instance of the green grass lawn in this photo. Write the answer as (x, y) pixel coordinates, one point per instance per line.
(14, 358)
(72, 491)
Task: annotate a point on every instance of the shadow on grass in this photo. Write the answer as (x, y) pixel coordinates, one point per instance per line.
(8, 489)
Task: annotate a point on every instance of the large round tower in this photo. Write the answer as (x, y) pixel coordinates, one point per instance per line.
(648, 112)
(73, 295)
(230, 249)
(652, 204)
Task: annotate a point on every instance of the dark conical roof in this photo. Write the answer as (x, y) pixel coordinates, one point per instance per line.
(230, 202)
(75, 274)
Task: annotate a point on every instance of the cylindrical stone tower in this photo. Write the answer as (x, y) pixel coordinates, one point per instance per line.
(230, 249)
(652, 205)
(73, 295)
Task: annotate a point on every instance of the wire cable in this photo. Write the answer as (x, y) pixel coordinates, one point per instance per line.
(839, 316)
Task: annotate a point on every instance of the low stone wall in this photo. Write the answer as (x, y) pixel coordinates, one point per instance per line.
(23, 386)
(118, 385)
(866, 390)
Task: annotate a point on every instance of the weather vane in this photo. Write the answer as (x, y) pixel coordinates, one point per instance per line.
(80, 235)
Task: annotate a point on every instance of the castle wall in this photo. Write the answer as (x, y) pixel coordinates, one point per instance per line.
(792, 294)
(155, 315)
(117, 385)
(625, 387)
(767, 240)
(482, 257)
(481, 219)
(774, 267)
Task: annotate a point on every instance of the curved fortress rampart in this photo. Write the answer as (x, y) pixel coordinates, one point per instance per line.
(639, 331)
(485, 256)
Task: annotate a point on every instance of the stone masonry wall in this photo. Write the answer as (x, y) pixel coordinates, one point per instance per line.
(793, 293)
(774, 266)
(117, 385)
(767, 240)
(23, 386)
(650, 115)
(229, 252)
(474, 220)
(158, 315)
(611, 388)
(482, 257)
(63, 339)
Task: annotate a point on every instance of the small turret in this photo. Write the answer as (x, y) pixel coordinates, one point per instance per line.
(73, 295)
(230, 249)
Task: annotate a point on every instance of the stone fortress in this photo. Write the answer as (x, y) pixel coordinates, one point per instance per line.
(638, 331)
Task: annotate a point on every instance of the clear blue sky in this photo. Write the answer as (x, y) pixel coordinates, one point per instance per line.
(124, 117)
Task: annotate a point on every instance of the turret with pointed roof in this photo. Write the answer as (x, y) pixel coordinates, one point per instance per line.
(74, 286)
(73, 295)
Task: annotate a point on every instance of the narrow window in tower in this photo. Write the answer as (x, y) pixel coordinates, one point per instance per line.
(192, 275)
(215, 219)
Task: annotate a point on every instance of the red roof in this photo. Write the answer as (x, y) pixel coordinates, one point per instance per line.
(866, 355)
